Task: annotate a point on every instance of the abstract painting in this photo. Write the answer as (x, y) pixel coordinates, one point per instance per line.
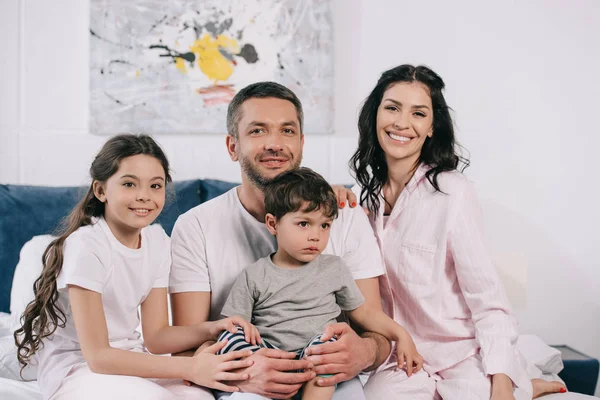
(172, 67)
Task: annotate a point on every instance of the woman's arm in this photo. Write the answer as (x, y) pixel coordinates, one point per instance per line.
(496, 328)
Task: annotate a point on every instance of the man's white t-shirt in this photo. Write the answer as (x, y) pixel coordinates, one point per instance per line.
(95, 260)
(213, 242)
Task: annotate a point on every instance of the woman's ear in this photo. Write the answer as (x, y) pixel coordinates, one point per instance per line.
(271, 223)
(99, 191)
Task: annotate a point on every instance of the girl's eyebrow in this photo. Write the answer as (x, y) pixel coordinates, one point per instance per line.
(130, 176)
(136, 178)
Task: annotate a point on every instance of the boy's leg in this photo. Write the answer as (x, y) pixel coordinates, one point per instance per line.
(350, 390)
(237, 341)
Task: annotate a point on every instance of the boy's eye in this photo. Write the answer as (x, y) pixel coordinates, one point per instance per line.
(325, 226)
(303, 224)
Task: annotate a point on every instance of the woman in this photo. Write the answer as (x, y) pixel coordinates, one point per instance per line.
(439, 281)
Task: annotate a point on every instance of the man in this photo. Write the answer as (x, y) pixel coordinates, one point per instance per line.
(214, 242)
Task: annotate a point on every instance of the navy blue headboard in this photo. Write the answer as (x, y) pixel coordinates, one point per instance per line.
(27, 211)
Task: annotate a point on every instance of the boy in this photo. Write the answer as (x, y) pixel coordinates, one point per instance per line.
(291, 295)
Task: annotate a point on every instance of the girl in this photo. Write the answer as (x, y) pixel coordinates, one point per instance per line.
(439, 283)
(106, 262)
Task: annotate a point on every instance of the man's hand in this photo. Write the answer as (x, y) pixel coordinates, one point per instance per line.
(345, 358)
(273, 375)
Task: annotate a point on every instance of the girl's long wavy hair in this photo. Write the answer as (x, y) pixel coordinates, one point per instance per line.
(439, 151)
(43, 316)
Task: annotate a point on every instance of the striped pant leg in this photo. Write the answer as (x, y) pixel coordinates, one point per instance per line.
(237, 341)
(315, 341)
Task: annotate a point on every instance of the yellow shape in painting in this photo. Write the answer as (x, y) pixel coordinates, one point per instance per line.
(180, 65)
(137, 74)
(210, 60)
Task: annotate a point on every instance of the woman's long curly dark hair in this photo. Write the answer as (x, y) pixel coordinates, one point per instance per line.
(42, 316)
(439, 151)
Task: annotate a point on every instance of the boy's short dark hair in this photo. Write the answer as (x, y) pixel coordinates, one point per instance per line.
(290, 191)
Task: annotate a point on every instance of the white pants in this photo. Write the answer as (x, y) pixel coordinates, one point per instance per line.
(465, 380)
(81, 383)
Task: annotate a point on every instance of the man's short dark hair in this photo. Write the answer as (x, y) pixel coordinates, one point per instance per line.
(260, 90)
(300, 189)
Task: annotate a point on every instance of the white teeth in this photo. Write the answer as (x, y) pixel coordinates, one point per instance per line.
(399, 138)
(141, 210)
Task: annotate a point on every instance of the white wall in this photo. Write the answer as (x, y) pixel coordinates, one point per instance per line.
(521, 77)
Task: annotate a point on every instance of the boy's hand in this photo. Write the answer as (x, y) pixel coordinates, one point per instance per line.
(231, 324)
(408, 357)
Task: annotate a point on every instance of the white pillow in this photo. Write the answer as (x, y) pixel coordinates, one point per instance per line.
(27, 271)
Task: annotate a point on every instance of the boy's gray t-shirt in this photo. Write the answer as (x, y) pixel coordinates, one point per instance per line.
(289, 306)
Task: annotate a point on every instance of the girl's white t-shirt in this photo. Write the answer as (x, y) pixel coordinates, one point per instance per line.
(95, 260)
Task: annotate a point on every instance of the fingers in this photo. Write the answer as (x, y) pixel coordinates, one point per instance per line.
(400, 356)
(231, 376)
(233, 365)
(291, 366)
(340, 193)
(297, 378)
(409, 365)
(337, 329)
(273, 353)
(325, 348)
(281, 391)
(329, 369)
(231, 327)
(257, 334)
(235, 355)
(213, 349)
(333, 380)
(351, 198)
(419, 362)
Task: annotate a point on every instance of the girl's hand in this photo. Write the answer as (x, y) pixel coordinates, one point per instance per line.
(251, 334)
(210, 370)
(408, 357)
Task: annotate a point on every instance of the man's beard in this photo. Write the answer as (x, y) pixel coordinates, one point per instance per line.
(254, 175)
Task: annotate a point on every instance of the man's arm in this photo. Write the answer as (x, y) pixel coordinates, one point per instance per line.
(370, 290)
(272, 373)
(350, 354)
(188, 309)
